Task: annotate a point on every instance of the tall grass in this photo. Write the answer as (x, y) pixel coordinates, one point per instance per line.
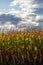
(21, 48)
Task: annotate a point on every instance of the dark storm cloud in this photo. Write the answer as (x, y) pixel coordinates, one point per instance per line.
(7, 17)
(39, 11)
(40, 21)
(39, 1)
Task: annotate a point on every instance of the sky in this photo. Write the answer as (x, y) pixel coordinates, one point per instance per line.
(21, 14)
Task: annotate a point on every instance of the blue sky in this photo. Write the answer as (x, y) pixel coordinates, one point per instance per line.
(20, 14)
(4, 5)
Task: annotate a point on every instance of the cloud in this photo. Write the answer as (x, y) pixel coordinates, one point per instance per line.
(39, 17)
(10, 22)
(26, 7)
(25, 3)
(28, 12)
(0, 12)
(26, 24)
(23, 14)
(8, 26)
(9, 17)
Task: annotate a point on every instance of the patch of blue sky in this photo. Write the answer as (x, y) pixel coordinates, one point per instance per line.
(4, 5)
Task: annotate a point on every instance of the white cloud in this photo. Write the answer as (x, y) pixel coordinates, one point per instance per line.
(39, 17)
(21, 2)
(1, 13)
(13, 12)
(8, 26)
(27, 7)
(25, 24)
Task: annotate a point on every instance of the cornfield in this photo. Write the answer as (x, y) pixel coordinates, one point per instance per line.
(21, 48)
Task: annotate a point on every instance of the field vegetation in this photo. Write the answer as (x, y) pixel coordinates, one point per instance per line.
(21, 48)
